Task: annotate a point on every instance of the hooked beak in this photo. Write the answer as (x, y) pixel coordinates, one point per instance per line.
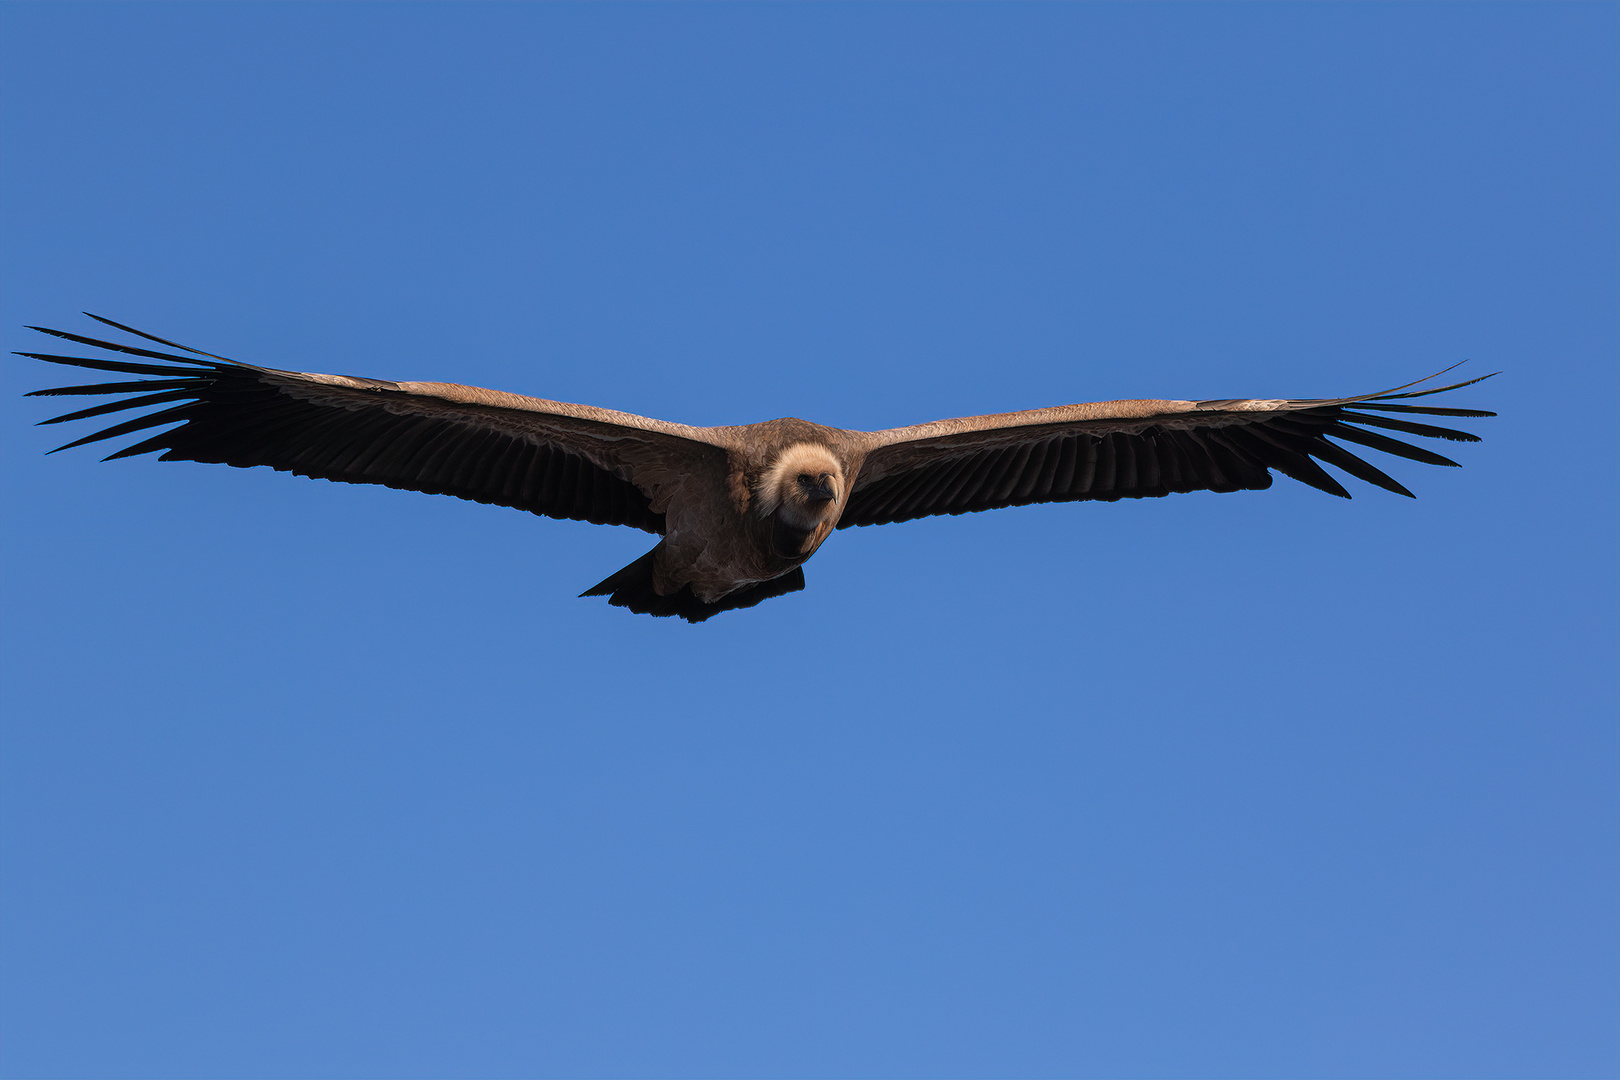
(820, 491)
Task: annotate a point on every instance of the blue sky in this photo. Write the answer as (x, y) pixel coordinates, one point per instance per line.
(299, 779)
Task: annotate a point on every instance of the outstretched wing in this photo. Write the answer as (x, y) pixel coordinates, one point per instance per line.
(547, 457)
(1136, 449)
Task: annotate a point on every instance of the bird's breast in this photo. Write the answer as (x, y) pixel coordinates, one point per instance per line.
(789, 541)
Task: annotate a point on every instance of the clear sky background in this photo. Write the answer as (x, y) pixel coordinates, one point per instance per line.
(300, 779)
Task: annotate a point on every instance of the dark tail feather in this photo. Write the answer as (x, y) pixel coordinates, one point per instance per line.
(632, 588)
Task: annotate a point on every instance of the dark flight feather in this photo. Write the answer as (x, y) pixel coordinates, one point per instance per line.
(1229, 450)
(233, 414)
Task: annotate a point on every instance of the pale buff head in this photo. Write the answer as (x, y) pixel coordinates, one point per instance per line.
(803, 485)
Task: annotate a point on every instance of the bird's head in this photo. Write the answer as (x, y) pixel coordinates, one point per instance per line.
(803, 486)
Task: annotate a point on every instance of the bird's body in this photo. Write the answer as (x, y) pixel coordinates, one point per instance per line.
(740, 508)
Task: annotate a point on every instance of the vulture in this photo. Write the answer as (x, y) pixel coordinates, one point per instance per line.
(738, 509)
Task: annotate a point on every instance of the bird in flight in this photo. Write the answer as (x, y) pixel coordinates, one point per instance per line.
(739, 509)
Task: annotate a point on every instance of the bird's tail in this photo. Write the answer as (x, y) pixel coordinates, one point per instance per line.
(632, 587)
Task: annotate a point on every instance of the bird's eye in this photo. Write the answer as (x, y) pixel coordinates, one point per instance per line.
(806, 478)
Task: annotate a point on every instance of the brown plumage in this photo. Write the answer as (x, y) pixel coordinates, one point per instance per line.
(739, 508)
